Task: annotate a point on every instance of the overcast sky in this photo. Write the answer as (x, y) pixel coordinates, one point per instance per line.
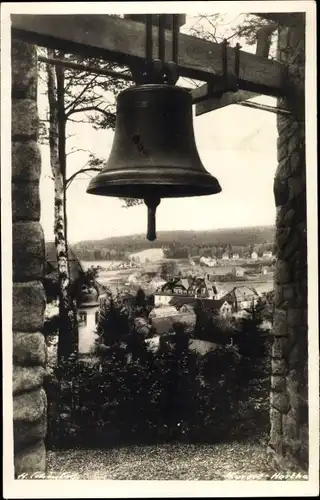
(236, 144)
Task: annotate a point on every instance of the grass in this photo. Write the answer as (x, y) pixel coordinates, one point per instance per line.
(164, 462)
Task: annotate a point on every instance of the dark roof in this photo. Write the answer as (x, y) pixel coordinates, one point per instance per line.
(242, 293)
(207, 303)
(52, 265)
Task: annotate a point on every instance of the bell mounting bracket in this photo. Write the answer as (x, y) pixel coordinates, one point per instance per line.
(159, 70)
(230, 77)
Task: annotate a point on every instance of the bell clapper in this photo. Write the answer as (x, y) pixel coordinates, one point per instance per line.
(152, 204)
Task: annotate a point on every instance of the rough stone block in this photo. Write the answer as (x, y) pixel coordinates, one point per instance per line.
(278, 383)
(282, 272)
(297, 357)
(24, 69)
(300, 207)
(282, 236)
(26, 161)
(27, 378)
(300, 298)
(278, 296)
(26, 433)
(288, 217)
(28, 251)
(278, 367)
(279, 401)
(280, 190)
(287, 252)
(24, 121)
(276, 420)
(291, 425)
(29, 303)
(296, 162)
(300, 261)
(281, 210)
(295, 317)
(296, 184)
(30, 460)
(25, 201)
(295, 389)
(294, 141)
(279, 348)
(29, 406)
(288, 292)
(29, 349)
(282, 149)
(280, 323)
(283, 171)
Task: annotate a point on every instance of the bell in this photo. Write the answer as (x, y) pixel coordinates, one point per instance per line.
(154, 153)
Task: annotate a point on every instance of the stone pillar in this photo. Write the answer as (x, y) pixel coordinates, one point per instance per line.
(289, 407)
(29, 399)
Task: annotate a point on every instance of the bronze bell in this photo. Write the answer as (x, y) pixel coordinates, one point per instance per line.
(154, 153)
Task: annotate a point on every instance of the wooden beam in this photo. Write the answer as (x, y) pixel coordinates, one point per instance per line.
(204, 103)
(122, 41)
(225, 100)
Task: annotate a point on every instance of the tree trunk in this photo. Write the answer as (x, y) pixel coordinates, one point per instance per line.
(68, 329)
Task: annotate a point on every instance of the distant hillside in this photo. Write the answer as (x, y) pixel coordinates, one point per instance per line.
(194, 241)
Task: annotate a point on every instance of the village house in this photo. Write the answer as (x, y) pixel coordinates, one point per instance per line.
(197, 287)
(223, 306)
(176, 286)
(267, 255)
(208, 261)
(242, 297)
(254, 256)
(88, 318)
(164, 317)
(154, 285)
(238, 271)
(235, 256)
(204, 288)
(225, 256)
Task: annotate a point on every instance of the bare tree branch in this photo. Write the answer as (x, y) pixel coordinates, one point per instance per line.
(81, 171)
(89, 108)
(77, 150)
(85, 88)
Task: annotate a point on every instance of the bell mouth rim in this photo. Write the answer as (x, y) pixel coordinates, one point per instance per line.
(150, 190)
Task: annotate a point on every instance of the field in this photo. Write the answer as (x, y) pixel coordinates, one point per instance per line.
(152, 254)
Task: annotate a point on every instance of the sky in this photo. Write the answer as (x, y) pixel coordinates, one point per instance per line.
(236, 144)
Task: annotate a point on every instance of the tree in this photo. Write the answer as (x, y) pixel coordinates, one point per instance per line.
(68, 334)
(69, 94)
(215, 28)
(115, 323)
(169, 269)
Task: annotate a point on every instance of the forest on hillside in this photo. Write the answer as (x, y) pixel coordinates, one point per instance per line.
(181, 244)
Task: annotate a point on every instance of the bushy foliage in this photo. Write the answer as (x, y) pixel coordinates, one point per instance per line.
(133, 393)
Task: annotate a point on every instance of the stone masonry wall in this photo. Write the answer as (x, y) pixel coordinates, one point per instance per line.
(29, 399)
(289, 408)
